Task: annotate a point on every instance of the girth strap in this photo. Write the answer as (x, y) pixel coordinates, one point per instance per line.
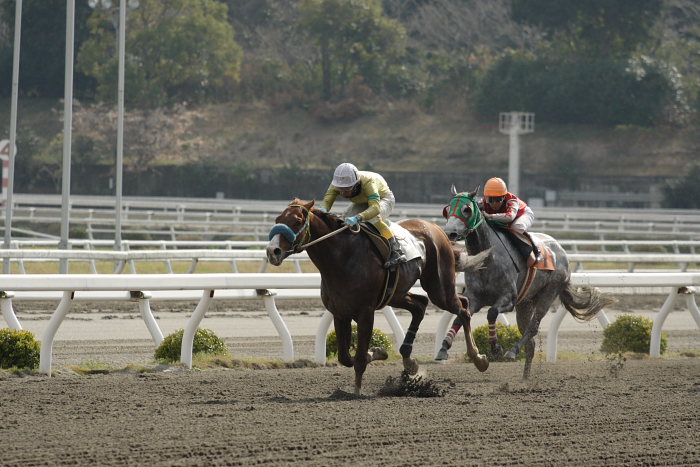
(391, 279)
(529, 278)
(390, 283)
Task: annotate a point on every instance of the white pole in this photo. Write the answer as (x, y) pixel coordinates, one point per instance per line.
(514, 156)
(13, 134)
(67, 131)
(120, 127)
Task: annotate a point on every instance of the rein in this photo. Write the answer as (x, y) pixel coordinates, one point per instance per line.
(328, 235)
(292, 236)
(472, 223)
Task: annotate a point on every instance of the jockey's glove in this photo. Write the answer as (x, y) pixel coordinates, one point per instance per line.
(352, 220)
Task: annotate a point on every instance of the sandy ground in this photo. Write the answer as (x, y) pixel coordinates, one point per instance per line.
(115, 334)
(575, 412)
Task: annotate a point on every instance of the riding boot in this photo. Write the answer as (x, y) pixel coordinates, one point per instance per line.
(535, 250)
(396, 256)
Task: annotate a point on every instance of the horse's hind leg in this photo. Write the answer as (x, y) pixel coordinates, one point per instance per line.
(443, 296)
(480, 361)
(416, 304)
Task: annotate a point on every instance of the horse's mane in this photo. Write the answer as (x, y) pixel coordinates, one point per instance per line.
(331, 220)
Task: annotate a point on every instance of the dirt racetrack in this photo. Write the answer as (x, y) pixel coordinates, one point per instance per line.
(575, 412)
(644, 412)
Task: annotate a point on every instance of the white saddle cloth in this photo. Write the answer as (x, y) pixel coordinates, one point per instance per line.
(412, 247)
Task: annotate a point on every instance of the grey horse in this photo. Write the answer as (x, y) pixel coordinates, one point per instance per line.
(499, 282)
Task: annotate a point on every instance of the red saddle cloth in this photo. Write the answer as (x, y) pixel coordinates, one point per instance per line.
(547, 263)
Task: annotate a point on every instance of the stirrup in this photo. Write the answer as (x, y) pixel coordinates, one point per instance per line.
(395, 259)
(538, 255)
(533, 260)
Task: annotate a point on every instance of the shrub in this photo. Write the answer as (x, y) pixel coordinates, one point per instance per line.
(508, 336)
(379, 339)
(629, 333)
(205, 341)
(18, 349)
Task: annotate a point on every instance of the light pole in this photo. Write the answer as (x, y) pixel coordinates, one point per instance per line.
(515, 124)
(13, 134)
(119, 23)
(67, 132)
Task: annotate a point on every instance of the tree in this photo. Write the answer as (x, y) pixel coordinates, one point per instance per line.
(354, 39)
(180, 50)
(43, 47)
(602, 29)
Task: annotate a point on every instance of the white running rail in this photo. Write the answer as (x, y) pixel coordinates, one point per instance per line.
(142, 287)
(680, 284)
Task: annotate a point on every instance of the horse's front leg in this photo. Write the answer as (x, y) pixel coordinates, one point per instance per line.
(343, 335)
(365, 325)
(416, 304)
(502, 305)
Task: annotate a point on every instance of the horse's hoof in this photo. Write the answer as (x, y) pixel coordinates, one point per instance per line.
(510, 355)
(481, 362)
(410, 365)
(442, 355)
(378, 353)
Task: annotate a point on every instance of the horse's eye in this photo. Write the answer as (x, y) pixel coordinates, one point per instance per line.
(445, 211)
(466, 211)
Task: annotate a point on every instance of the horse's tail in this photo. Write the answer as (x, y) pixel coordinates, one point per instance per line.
(584, 302)
(466, 263)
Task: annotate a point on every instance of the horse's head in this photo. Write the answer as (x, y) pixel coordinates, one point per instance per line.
(462, 214)
(291, 230)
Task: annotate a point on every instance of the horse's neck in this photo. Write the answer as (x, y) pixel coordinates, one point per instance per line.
(330, 252)
(482, 238)
(503, 253)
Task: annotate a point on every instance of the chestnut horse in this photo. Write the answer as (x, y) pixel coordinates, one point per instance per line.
(352, 279)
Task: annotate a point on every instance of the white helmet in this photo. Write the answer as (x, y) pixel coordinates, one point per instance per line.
(345, 175)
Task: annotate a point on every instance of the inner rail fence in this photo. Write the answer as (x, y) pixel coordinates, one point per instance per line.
(177, 218)
(195, 257)
(265, 286)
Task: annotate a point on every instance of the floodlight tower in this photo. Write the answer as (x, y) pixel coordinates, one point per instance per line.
(515, 124)
(117, 16)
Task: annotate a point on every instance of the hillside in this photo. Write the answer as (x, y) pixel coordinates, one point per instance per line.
(401, 137)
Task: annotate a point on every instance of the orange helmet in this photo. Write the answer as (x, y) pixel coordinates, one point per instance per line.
(495, 187)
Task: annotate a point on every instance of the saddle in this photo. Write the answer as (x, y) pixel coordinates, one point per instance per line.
(522, 244)
(383, 249)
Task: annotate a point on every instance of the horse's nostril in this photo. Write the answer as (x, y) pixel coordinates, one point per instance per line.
(453, 236)
(278, 251)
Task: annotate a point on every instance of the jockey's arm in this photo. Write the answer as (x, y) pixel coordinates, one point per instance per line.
(371, 191)
(509, 213)
(329, 198)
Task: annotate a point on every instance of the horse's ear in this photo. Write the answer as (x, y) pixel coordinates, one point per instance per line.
(472, 194)
(453, 190)
(310, 204)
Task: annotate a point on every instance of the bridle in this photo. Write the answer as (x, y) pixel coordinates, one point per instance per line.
(456, 208)
(296, 239)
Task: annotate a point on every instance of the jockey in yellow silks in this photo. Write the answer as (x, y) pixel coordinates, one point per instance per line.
(372, 201)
